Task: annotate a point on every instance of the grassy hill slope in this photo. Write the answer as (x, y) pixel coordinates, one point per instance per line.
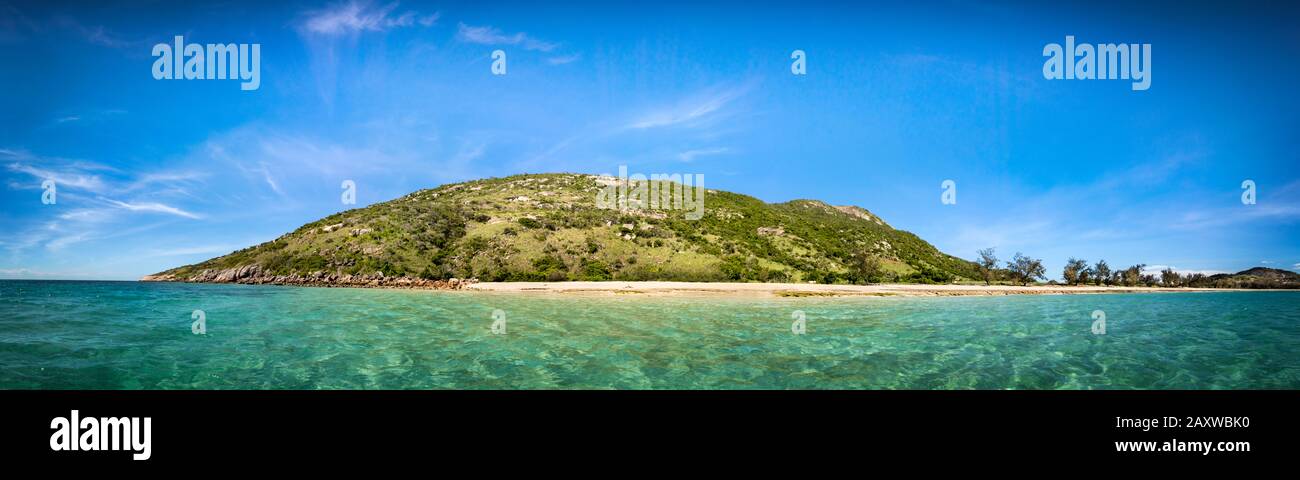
(547, 227)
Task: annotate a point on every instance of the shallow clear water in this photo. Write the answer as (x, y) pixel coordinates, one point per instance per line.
(125, 335)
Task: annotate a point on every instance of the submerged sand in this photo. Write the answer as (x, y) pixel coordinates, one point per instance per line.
(803, 290)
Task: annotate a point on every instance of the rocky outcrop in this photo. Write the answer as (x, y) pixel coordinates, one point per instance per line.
(254, 275)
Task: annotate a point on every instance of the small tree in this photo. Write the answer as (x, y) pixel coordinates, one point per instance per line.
(1036, 269)
(1170, 278)
(1024, 269)
(1133, 275)
(988, 263)
(1101, 272)
(1074, 269)
(867, 267)
(1148, 279)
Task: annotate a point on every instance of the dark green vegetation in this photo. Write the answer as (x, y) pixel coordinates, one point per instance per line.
(547, 228)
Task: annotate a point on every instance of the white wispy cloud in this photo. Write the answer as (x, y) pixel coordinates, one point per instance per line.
(67, 175)
(1110, 209)
(78, 175)
(700, 111)
(294, 167)
(690, 155)
(697, 110)
(564, 59)
(270, 180)
(429, 20)
(102, 36)
(171, 178)
(971, 237)
(359, 16)
(302, 153)
(1220, 217)
(87, 215)
(14, 26)
(151, 207)
(468, 153)
(57, 235)
(85, 117)
(487, 35)
(90, 208)
(99, 34)
(62, 242)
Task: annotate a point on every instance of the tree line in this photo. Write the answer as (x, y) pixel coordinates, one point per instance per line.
(1022, 269)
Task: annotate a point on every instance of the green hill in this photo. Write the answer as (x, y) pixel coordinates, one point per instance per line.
(1258, 277)
(547, 227)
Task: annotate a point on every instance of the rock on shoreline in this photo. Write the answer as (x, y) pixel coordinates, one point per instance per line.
(253, 275)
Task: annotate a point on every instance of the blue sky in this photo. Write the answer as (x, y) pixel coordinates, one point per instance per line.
(153, 174)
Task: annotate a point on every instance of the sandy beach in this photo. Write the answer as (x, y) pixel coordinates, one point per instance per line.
(802, 290)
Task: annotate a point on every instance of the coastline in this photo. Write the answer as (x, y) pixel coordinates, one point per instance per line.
(776, 290)
(666, 288)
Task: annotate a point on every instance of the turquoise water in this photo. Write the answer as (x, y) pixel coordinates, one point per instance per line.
(125, 335)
